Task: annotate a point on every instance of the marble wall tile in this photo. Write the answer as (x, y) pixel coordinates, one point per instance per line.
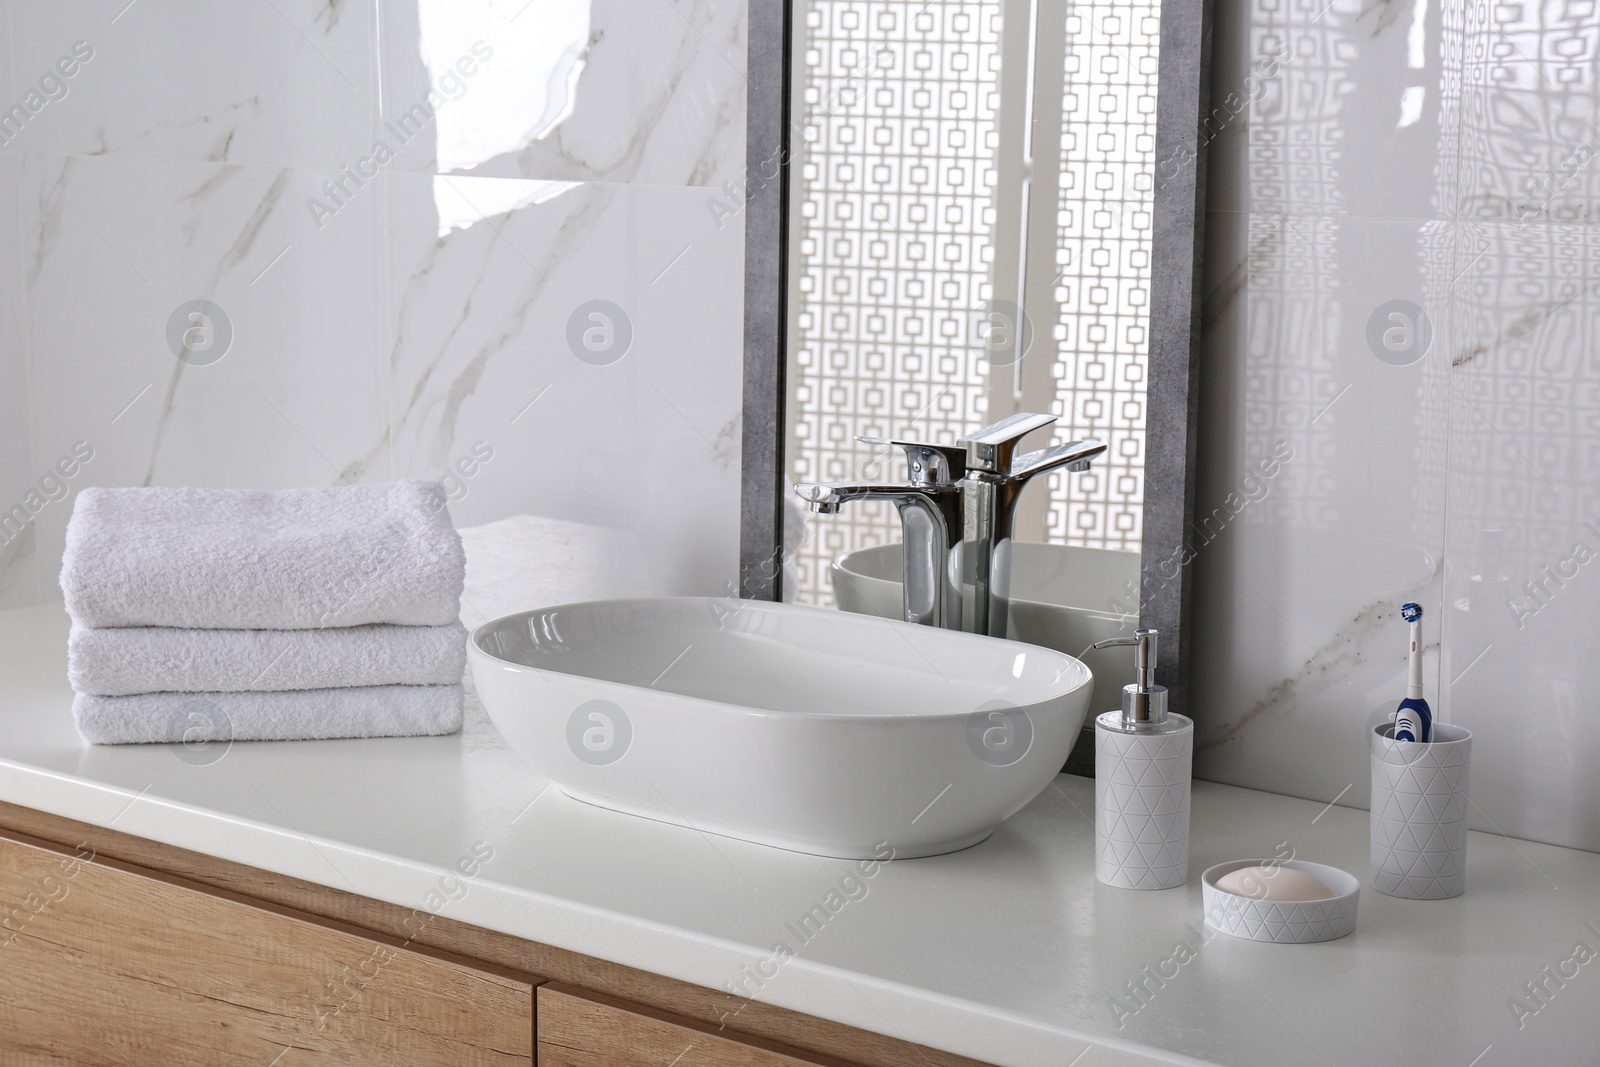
(1462, 481)
(1530, 112)
(488, 353)
(113, 246)
(1522, 575)
(1342, 108)
(1301, 576)
(573, 90)
(286, 83)
(18, 476)
(385, 319)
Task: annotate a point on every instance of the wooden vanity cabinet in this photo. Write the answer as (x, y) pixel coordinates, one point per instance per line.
(577, 1028)
(118, 951)
(104, 965)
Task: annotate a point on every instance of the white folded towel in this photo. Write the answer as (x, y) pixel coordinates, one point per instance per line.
(361, 711)
(293, 559)
(117, 661)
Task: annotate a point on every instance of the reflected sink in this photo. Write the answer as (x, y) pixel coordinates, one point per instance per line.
(812, 730)
(1062, 597)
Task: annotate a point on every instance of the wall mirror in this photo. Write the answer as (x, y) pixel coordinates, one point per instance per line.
(984, 207)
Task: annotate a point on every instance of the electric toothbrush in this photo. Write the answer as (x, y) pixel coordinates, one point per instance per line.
(1413, 721)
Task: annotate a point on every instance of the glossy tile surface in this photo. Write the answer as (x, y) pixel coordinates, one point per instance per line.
(643, 436)
(289, 83)
(575, 90)
(399, 213)
(1403, 288)
(18, 479)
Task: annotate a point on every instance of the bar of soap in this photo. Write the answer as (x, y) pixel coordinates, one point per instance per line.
(1274, 883)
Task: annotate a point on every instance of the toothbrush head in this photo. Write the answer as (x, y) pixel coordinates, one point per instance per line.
(1411, 612)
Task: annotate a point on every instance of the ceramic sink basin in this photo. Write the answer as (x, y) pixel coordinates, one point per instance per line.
(1062, 597)
(813, 730)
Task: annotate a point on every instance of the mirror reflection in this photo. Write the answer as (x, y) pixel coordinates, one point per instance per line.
(970, 242)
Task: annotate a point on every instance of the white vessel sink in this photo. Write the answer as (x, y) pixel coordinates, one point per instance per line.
(807, 729)
(1062, 597)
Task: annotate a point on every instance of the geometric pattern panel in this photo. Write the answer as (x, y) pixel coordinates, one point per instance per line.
(898, 116)
(895, 205)
(1104, 198)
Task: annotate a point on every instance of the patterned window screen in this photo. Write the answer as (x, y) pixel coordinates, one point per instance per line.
(1102, 236)
(899, 111)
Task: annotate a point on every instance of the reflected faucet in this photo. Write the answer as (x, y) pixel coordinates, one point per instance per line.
(930, 520)
(959, 501)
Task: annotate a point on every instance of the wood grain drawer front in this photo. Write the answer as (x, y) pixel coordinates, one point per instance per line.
(105, 965)
(582, 1029)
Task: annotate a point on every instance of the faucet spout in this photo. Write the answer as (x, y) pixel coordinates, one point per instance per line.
(931, 525)
(825, 498)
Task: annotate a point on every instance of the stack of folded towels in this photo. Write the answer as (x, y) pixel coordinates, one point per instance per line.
(301, 613)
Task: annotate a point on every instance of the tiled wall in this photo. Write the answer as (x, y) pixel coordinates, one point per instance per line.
(428, 307)
(1439, 161)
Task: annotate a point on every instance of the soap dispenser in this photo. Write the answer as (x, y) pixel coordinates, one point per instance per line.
(1142, 758)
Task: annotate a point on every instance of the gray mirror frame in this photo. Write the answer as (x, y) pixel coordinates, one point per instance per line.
(1177, 235)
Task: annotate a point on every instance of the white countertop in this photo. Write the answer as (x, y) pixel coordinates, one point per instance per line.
(1008, 952)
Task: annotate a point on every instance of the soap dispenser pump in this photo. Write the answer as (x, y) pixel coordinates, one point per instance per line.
(1142, 758)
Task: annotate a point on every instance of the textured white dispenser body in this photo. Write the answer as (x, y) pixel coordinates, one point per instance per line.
(1141, 802)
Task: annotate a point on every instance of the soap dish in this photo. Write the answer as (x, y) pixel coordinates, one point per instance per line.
(1283, 922)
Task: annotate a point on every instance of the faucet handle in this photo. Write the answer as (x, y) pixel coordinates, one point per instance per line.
(992, 448)
(1076, 456)
(930, 464)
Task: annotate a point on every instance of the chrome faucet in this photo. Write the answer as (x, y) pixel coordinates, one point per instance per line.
(995, 480)
(956, 510)
(930, 519)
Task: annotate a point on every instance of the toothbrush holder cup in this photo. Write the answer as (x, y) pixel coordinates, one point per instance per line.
(1419, 813)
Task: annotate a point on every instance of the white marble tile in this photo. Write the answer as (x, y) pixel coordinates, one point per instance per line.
(525, 560)
(8, 85)
(280, 83)
(1480, 456)
(1298, 594)
(1530, 112)
(1522, 584)
(575, 90)
(1342, 108)
(187, 157)
(19, 481)
(483, 360)
(111, 247)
